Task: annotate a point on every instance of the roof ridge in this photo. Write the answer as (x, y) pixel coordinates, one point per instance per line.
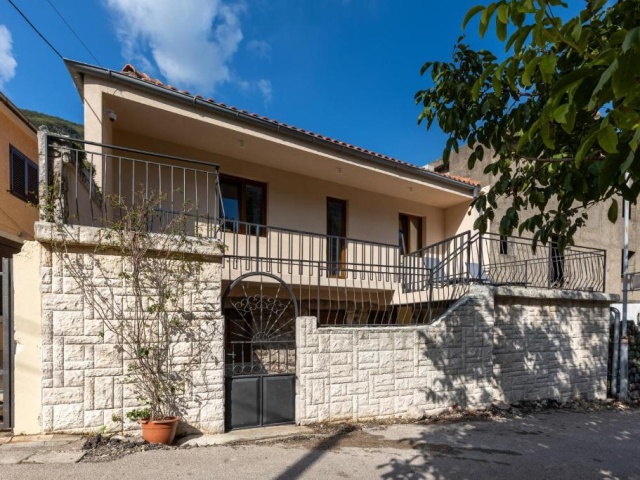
(131, 71)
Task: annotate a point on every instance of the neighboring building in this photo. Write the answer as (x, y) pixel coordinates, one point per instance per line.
(599, 232)
(341, 283)
(18, 178)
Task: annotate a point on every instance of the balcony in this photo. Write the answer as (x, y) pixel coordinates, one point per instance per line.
(341, 281)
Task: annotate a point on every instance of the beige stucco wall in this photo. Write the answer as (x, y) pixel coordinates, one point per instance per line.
(16, 216)
(27, 322)
(299, 202)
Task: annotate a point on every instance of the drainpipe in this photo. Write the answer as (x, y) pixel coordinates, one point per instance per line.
(624, 340)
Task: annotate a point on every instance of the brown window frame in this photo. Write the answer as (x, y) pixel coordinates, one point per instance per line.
(243, 182)
(341, 263)
(17, 159)
(405, 245)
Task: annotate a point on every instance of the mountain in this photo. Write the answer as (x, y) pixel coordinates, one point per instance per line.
(56, 125)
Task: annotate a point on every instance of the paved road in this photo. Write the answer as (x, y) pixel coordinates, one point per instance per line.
(554, 445)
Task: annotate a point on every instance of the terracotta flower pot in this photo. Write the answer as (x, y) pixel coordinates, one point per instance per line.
(159, 431)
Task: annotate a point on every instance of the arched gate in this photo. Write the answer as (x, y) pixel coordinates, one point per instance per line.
(260, 313)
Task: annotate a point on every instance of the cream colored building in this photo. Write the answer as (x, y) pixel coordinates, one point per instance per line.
(339, 283)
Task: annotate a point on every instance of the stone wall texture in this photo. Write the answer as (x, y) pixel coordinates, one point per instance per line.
(84, 383)
(546, 346)
(497, 344)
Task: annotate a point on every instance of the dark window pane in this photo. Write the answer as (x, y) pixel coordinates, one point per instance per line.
(504, 245)
(336, 227)
(410, 233)
(557, 264)
(255, 203)
(230, 199)
(336, 217)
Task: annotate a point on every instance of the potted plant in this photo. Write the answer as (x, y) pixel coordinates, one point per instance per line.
(155, 431)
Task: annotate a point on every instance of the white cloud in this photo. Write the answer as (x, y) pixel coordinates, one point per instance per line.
(191, 42)
(260, 48)
(8, 63)
(265, 88)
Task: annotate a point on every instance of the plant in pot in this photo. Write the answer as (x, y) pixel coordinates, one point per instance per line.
(147, 311)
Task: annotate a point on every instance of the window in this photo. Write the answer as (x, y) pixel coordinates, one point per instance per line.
(631, 254)
(336, 230)
(24, 176)
(504, 245)
(244, 202)
(410, 233)
(556, 275)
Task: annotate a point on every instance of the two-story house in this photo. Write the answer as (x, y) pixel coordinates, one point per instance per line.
(335, 261)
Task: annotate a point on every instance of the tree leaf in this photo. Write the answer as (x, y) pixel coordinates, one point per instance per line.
(560, 113)
(612, 213)
(501, 29)
(584, 147)
(608, 171)
(486, 18)
(571, 79)
(625, 78)
(471, 13)
(604, 78)
(632, 39)
(608, 139)
(547, 66)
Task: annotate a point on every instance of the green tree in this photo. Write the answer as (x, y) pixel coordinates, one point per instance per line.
(560, 109)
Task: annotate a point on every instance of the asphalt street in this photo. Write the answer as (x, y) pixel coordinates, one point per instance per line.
(553, 445)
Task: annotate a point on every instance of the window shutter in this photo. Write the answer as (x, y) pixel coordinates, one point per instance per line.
(24, 176)
(18, 174)
(32, 182)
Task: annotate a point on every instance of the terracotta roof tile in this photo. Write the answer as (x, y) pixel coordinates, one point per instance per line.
(131, 71)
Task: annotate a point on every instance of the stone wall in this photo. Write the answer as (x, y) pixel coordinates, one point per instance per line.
(495, 344)
(550, 344)
(633, 332)
(84, 386)
(359, 373)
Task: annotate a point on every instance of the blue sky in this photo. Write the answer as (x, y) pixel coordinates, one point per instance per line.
(344, 68)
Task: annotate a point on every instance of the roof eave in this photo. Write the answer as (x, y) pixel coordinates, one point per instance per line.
(17, 112)
(78, 69)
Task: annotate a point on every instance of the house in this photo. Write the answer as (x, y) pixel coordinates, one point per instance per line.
(599, 232)
(345, 284)
(18, 178)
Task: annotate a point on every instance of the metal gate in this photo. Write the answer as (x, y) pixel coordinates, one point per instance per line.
(6, 346)
(260, 351)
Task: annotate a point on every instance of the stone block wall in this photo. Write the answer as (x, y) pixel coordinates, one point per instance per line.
(550, 344)
(380, 372)
(83, 383)
(496, 344)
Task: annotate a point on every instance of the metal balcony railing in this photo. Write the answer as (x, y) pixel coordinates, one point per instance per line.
(91, 181)
(341, 281)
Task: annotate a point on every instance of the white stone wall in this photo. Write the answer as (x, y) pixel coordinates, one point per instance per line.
(83, 382)
(361, 373)
(550, 344)
(496, 344)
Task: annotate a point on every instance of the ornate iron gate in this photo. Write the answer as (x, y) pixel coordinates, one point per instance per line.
(260, 351)
(6, 346)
